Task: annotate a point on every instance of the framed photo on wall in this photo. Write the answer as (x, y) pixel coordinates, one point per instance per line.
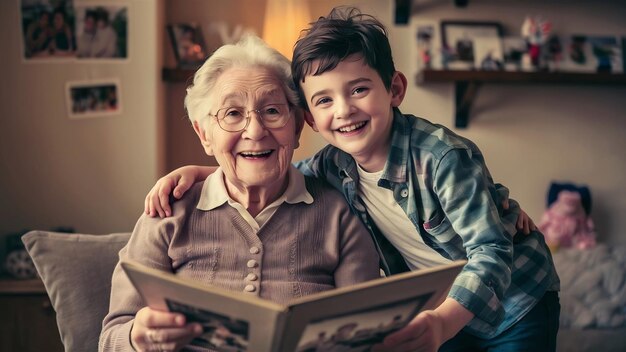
(102, 31)
(98, 98)
(188, 44)
(469, 44)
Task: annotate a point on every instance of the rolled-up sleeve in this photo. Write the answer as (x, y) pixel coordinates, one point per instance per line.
(468, 198)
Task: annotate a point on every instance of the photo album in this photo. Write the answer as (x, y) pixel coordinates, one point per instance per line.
(349, 318)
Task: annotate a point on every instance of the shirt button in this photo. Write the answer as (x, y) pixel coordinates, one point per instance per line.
(251, 277)
(251, 263)
(254, 250)
(404, 193)
(249, 288)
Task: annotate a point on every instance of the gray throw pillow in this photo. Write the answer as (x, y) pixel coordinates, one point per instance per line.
(76, 270)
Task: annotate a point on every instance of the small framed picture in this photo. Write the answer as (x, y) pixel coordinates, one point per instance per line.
(188, 44)
(87, 99)
(459, 42)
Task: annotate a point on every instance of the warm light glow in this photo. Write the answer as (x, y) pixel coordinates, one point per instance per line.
(284, 19)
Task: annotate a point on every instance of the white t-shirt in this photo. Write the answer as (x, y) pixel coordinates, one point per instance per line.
(395, 224)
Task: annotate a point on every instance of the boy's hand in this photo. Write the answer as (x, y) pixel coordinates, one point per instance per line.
(424, 333)
(429, 329)
(158, 199)
(524, 222)
(161, 331)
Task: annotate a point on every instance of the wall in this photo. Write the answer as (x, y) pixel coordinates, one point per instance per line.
(90, 174)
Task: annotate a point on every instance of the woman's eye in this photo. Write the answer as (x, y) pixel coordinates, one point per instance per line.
(233, 113)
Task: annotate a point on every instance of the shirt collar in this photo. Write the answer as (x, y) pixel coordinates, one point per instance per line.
(214, 192)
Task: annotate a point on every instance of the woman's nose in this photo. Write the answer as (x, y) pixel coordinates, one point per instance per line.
(256, 129)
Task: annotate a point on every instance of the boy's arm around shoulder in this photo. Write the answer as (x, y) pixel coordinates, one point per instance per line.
(172, 186)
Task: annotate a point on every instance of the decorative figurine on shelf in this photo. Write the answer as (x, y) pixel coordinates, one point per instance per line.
(536, 31)
(424, 39)
(554, 53)
(566, 223)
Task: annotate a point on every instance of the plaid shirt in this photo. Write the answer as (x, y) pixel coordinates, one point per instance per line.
(441, 182)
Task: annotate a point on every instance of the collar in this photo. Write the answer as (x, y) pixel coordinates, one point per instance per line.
(214, 192)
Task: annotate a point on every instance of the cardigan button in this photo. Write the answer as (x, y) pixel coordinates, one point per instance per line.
(252, 277)
(249, 288)
(251, 263)
(254, 250)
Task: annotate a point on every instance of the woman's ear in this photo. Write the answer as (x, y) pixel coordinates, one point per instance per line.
(299, 125)
(308, 117)
(398, 88)
(204, 139)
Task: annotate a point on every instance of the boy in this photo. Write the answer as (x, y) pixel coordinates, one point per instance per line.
(424, 193)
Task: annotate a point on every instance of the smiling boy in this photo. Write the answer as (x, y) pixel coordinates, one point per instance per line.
(424, 193)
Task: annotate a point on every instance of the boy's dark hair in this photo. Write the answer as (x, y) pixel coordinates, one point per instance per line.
(330, 40)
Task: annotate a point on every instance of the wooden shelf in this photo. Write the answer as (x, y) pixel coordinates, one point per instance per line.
(467, 83)
(15, 286)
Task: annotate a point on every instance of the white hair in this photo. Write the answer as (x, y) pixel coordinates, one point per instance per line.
(248, 52)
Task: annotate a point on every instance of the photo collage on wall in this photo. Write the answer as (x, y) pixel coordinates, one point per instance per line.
(74, 31)
(479, 45)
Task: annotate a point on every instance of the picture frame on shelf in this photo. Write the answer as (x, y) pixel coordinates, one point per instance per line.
(188, 44)
(607, 52)
(460, 39)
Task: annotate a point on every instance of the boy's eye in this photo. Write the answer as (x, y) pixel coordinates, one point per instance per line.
(323, 101)
(359, 90)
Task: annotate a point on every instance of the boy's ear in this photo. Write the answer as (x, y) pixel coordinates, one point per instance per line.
(204, 140)
(308, 117)
(398, 88)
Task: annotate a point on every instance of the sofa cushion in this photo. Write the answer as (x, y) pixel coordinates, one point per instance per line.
(76, 270)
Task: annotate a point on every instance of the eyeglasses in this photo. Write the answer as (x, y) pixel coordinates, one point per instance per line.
(236, 119)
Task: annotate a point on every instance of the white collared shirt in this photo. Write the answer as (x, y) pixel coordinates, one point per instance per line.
(214, 194)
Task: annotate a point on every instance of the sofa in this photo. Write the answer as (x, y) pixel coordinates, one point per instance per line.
(76, 271)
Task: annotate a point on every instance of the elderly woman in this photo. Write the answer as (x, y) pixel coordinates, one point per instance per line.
(256, 225)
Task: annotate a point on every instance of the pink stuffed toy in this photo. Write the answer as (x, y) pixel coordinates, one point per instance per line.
(565, 223)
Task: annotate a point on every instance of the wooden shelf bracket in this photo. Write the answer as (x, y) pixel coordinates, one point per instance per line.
(465, 92)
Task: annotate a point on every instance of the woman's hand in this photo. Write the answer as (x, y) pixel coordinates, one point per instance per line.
(161, 331)
(180, 180)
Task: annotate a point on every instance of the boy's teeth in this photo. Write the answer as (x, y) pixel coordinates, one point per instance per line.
(352, 127)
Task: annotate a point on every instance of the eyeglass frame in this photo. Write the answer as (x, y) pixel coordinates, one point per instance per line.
(257, 111)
